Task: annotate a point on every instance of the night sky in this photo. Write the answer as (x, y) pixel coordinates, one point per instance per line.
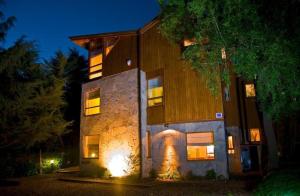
(51, 22)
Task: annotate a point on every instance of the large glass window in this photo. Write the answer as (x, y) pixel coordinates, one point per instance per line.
(92, 103)
(155, 91)
(255, 135)
(200, 146)
(250, 90)
(91, 146)
(95, 69)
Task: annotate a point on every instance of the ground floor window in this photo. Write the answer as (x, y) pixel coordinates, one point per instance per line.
(230, 144)
(91, 146)
(200, 146)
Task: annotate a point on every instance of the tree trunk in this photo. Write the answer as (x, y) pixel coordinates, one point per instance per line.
(271, 143)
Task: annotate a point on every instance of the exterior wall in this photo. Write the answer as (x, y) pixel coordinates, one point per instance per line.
(234, 160)
(186, 97)
(117, 124)
(169, 148)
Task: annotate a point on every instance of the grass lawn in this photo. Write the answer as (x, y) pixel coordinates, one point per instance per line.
(285, 182)
(50, 185)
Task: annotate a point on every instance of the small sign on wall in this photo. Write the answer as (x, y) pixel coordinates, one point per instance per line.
(219, 115)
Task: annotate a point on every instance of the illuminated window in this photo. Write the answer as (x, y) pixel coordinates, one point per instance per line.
(255, 135)
(230, 144)
(95, 70)
(155, 91)
(250, 90)
(200, 146)
(92, 103)
(189, 42)
(148, 136)
(91, 146)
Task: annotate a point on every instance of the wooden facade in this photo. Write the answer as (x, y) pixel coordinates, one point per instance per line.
(186, 98)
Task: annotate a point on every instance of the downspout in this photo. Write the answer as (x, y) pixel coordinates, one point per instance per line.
(139, 101)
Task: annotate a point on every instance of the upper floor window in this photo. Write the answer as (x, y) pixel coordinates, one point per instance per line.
(230, 144)
(92, 103)
(95, 68)
(91, 146)
(250, 90)
(189, 42)
(200, 146)
(254, 135)
(155, 91)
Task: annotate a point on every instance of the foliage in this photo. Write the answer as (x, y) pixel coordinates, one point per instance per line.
(16, 167)
(51, 163)
(256, 49)
(210, 174)
(280, 183)
(5, 25)
(30, 98)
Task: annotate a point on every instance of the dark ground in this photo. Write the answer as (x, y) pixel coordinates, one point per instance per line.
(50, 185)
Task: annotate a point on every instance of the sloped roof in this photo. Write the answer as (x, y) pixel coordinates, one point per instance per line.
(83, 40)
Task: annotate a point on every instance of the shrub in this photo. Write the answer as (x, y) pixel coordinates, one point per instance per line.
(280, 183)
(210, 174)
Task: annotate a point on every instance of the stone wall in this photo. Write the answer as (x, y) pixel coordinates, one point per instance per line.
(117, 124)
(169, 148)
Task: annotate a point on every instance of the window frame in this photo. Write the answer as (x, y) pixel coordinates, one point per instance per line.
(86, 98)
(245, 90)
(101, 50)
(230, 151)
(85, 146)
(152, 75)
(203, 144)
(249, 134)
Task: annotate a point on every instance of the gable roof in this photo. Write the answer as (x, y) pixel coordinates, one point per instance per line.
(83, 40)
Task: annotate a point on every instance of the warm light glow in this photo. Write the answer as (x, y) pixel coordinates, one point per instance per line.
(118, 165)
(108, 49)
(250, 90)
(52, 161)
(171, 159)
(91, 146)
(189, 42)
(92, 103)
(169, 131)
(254, 135)
(95, 75)
(95, 68)
(230, 145)
(223, 53)
(200, 146)
(96, 59)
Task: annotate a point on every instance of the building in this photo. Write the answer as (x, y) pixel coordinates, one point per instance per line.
(146, 109)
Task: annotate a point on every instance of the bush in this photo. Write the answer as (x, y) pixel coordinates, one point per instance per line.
(25, 168)
(280, 183)
(210, 174)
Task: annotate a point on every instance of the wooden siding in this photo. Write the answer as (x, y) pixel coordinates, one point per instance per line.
(231, 110)
(115, 61)
(186, 98)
